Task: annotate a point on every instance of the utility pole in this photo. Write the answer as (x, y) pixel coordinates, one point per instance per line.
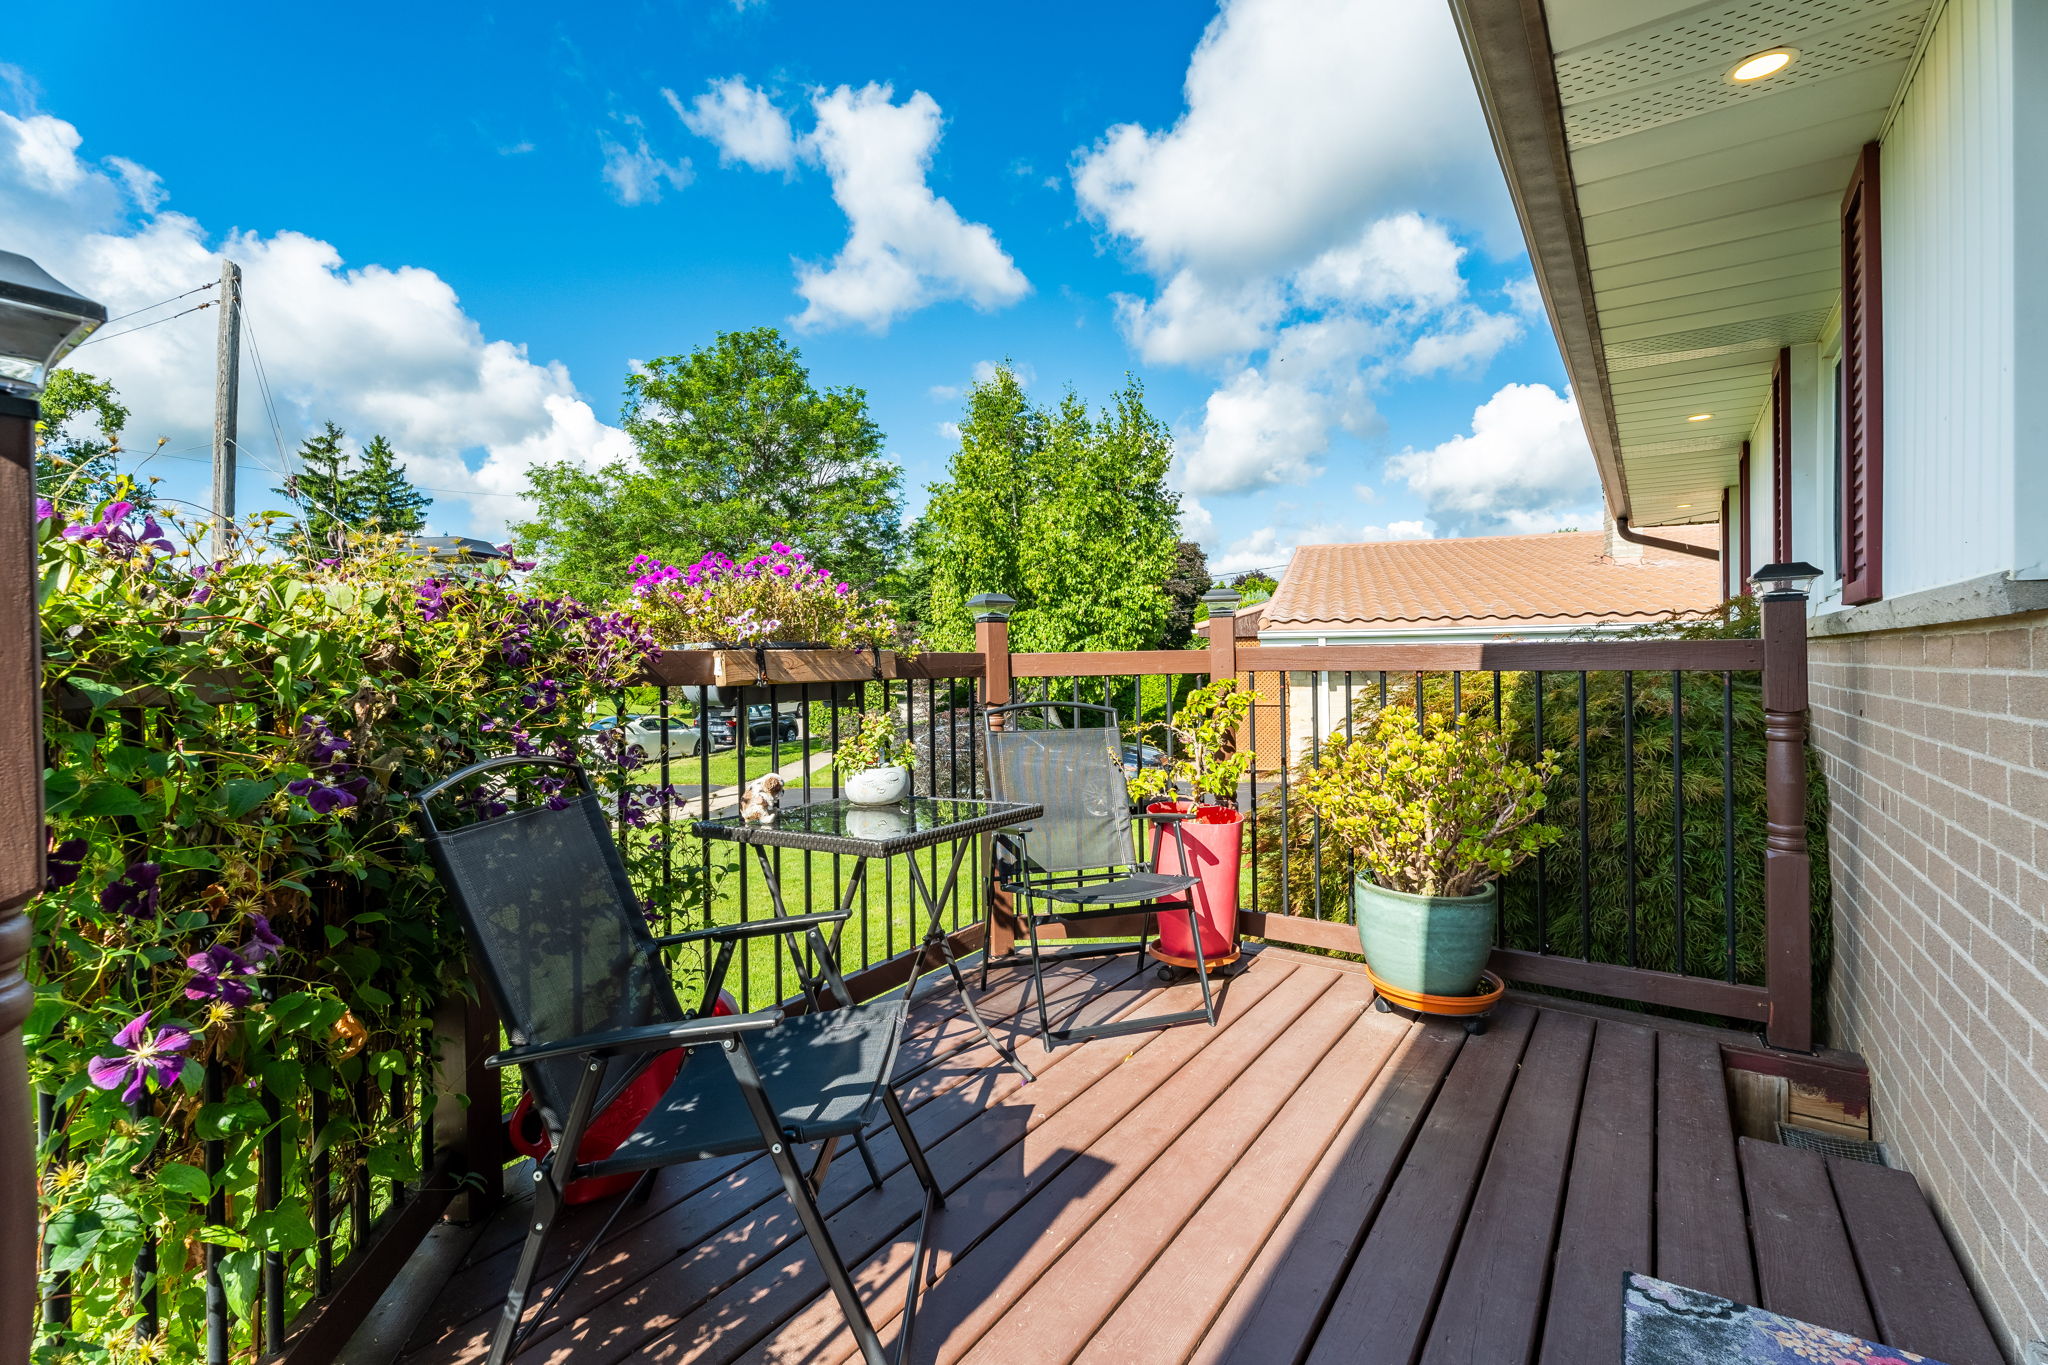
(226, 385)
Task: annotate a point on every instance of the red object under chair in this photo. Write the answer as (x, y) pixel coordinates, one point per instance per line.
(610, 1126)
(1215, 840)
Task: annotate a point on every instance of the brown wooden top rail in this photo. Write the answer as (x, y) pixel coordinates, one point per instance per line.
(1509, 656)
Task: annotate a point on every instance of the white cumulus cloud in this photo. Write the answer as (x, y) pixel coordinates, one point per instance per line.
(905, 247)
(375, 348)
(1524, 467)
(746, 125)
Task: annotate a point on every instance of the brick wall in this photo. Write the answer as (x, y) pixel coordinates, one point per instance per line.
(1936, 745)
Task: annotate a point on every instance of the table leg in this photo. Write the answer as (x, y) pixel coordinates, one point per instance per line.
(935, 938)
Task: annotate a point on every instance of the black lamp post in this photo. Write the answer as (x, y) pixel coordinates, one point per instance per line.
(40, 320)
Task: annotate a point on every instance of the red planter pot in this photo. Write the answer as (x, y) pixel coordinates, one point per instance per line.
(1215, 841)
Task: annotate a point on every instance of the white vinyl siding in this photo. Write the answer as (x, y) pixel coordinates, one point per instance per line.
(1947, 290)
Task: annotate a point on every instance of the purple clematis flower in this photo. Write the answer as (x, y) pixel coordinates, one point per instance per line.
(62, 865)
(134, 892)
(45, 509)
(214, 976)
(145, 1054)
(324, 800)
(263, 941)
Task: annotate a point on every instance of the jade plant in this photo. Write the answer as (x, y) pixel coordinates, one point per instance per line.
(1433, 805)
(1199, 738)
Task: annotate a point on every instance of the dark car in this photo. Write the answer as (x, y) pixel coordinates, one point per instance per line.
(764, 725)
(1138, 756)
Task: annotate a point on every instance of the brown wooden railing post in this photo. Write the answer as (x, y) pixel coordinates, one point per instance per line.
(469, 1117)
(992, 641)
(1788, 876)
(21, 864)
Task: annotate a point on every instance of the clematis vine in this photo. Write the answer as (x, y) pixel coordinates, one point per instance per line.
(63, 862)
(145, 1054)
(216, 975)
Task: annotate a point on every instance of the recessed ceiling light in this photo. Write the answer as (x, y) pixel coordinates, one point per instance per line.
(1683, 505)
(1699, 417)
(1763, 64)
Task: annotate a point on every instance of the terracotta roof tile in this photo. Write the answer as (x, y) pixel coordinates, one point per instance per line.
(1506, 581)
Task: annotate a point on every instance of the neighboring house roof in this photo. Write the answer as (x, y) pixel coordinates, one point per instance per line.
(1248, 619)
(1683, 227)
(1564, 579)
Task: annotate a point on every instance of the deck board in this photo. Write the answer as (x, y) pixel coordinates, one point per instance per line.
(1610, 1194)
(1493, 1301)
(1804, 1267)
(1310, 1180)
(1702, 1223)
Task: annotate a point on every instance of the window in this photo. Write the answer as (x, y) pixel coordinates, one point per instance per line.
(1862, 392)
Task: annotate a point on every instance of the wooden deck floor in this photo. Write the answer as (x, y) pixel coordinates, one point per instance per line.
(1311, 1181)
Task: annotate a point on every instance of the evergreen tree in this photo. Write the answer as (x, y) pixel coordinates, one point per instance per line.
(381, 500)
(321, 490)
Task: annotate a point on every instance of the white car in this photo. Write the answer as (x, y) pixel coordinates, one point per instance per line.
(646, 733)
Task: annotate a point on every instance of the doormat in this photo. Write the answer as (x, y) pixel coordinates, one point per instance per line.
(1667, 1324)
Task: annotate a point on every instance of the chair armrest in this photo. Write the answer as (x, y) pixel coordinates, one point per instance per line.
(1163, 816)
(754, 928)
(644, 1038)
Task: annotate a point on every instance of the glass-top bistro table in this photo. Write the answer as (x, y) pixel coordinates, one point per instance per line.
(865, 832)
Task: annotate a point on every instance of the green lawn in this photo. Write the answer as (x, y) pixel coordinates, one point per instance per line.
(725, 764)
(883, 923)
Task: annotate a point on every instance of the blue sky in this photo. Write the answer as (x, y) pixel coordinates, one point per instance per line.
(1282, 215)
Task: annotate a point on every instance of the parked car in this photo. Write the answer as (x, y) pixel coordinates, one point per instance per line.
(646, 732)
(1138, 756)
(764, 725)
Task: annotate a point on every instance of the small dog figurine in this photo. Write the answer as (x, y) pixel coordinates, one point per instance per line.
(763, 800)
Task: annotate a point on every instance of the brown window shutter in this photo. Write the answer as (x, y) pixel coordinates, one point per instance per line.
(1781, 459)
(1862, 435)
(1746, 527)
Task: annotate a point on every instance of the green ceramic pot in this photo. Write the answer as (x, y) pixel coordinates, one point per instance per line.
(1428, 945)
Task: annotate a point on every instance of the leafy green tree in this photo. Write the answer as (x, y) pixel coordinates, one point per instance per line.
(78, 442)
(736, 450)
(321, 491)
(1066, 512)
(381, 499)
(1254, 585)
(1184, 589)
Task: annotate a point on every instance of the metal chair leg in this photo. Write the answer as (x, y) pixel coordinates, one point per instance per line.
(900, 1121)
(836, 1275)
(860, 1141)
(546, 1204)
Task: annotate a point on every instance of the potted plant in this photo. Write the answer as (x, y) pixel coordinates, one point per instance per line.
(1202, 764)
(1434, 810)
(774, 618)
(875, 763)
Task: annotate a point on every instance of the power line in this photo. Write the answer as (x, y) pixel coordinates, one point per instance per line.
(137, 312)
(140, 327)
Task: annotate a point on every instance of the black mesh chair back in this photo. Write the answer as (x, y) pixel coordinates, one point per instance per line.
(557, 932)
(1078, 863)
(1076, 772)
(558, 935)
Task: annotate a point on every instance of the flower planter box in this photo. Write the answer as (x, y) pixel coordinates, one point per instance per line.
(742, 667)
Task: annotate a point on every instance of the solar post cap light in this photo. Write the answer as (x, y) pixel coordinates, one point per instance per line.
(41, 320)
(1791, 579)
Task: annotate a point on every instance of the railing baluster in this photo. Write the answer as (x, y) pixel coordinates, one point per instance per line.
(269, 1194)
(1585, 837)
(1728, 814)
(320, 1196)
(213, 1158)
(668, 827)
(1542, 872)
(1678, 814)
(56, 1305)
(1286, 905)
(1628, 801)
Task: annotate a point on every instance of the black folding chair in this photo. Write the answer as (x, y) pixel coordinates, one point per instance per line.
(1079, 862)
(588, 1004)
